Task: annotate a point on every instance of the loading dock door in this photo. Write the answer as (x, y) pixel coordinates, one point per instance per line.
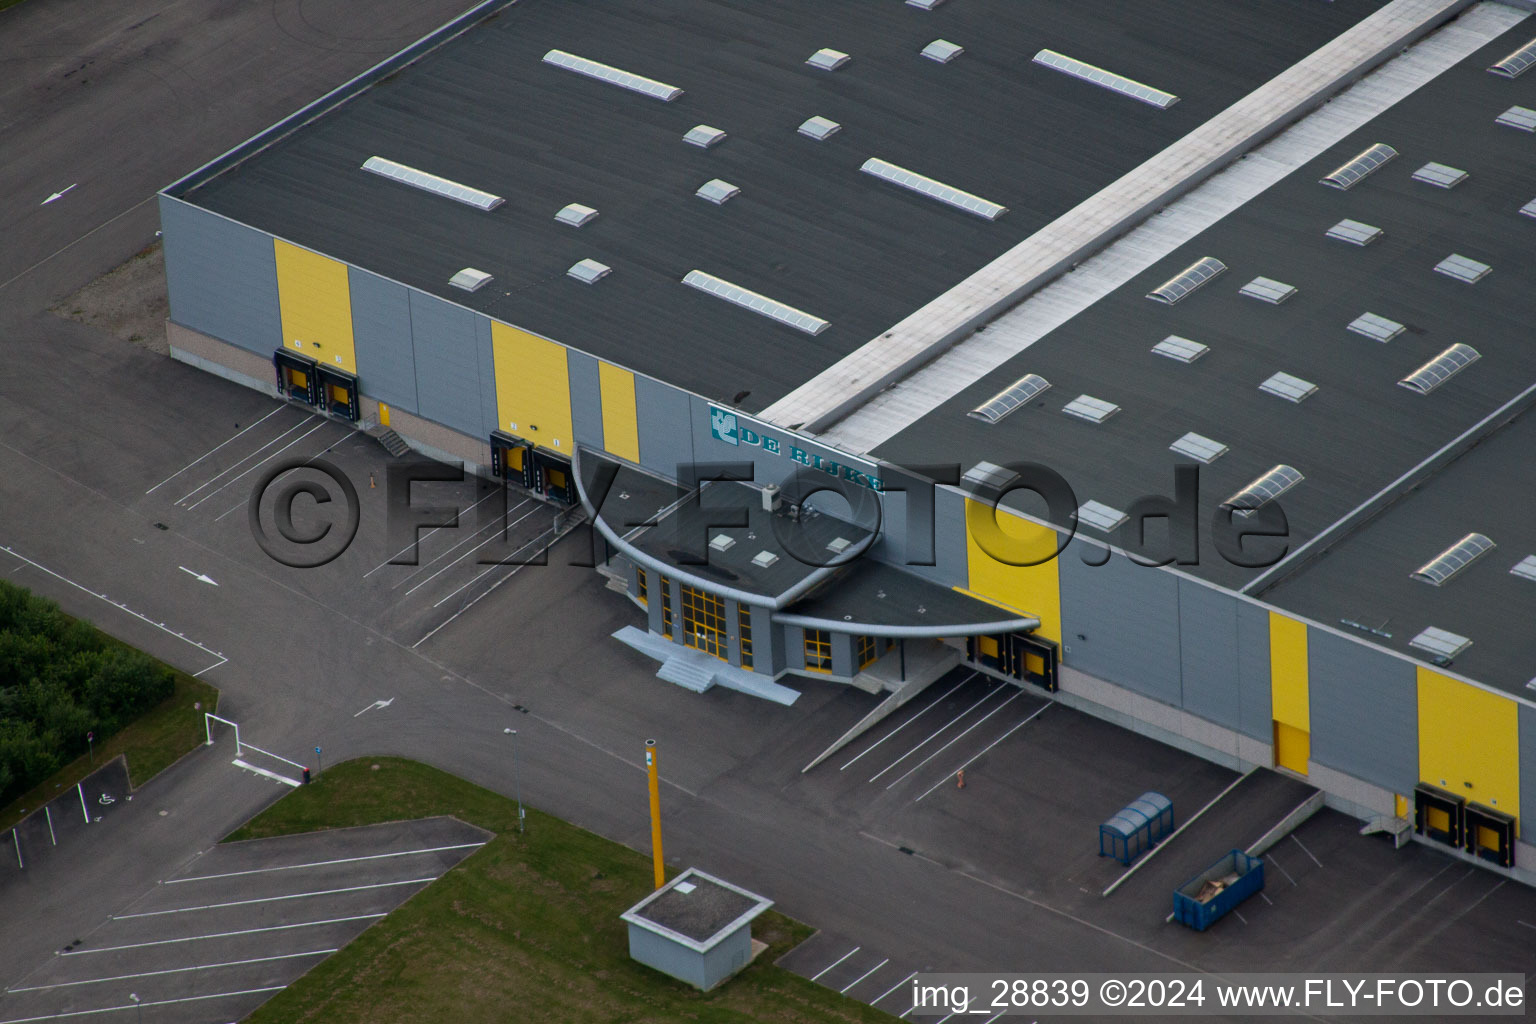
(338, 392)
(1022, 656)
(553, 477)
(296, 376)
(512, 460)
(1438, 814)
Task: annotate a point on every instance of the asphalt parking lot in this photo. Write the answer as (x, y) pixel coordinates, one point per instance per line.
(217, 937)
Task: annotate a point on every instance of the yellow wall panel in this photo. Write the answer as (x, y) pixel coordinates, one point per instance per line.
(1029, 589)
(1288, 672)
(316, 305)
(1293, 747)
(1468, 735)
(533, 388)
(621, 431)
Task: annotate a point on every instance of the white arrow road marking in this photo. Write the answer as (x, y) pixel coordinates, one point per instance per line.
(198, 575)
(56, 195)
(376, 704)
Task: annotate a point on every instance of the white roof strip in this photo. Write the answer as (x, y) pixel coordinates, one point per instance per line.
(827, 59)
(1516, 63)
(1523, 118)
(703, 136)
(1100, 516)
(1267, 289)
(1440, 175)
(716, 191)
(469, 279)
(1187, 280)
(887, 171)
(1094, 410)
(1440, 642)
(1525, 568)
(1292, 389)
(1199, 447)
(760, 304)
(1351, 173)
(1181, 349)
(819, 128)
(428, 182)
(1010, 398)
(942, 50)
(1462, 268)
(1529, 209)
(1263, 490)
(613, 76)
(1440, 369)
(1108, 79)
(1453, 559)
(576, 215)
(1354, 232)
(589, 271)
(1377, 328)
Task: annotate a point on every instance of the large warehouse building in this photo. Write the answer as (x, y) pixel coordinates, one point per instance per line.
(1173, 358)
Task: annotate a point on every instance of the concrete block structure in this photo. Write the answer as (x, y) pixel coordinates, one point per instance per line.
(696, 928)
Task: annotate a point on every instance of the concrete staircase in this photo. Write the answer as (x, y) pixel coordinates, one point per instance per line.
(392, 442)
(1400, 829)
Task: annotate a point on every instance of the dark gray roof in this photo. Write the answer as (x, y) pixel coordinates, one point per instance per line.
(878, 594)
(1360, 430)
(807, 229)
(697, 906)
(1365, 578)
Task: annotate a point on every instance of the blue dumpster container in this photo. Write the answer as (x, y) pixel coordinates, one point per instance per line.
(1202, 900)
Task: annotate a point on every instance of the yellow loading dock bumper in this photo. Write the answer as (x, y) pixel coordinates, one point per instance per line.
(338, 392)
(297, 377)
(1022, 656)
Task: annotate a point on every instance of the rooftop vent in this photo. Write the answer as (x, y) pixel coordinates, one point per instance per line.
(837, 545)
(613, 76)
(1349, 175)
(589, 271)
(926, 5)
(1525, 568)
(1199, 448)
(469, 279)
(763, 559)
(1094, 410)
(1187, 280)
(1523, 118)
(722, 543)
(684, 887)
(888, 171)
(986, 476)
(1516, 63)
(1181, 349)
(1462, 269)
(1354, 232)
(1453, 559)
(1108, 79)
(1529, 209)
(1100, 516)
(1440, 369)
(1263, 490)
(942, 50)
(1267, 289)
(1377, 328)
(1292, 389)
(761, 304)
(1010, 398)
(819, 128)
(1440, 175)
(827, 59)
(703, 136)
(576, 215)
(432, 183)
(1440, 642)
(716, 191)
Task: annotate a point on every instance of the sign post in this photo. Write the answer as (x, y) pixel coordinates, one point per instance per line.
(650, 769)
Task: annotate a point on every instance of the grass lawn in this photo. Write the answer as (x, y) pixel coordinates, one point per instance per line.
(153, 741)
(525, 929)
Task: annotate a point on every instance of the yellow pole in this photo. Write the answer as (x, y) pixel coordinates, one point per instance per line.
(650, 770)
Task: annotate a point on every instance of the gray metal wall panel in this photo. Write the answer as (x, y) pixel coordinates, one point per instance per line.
(668, 957)
(1527, 772)
(381, 334)
(1364, 705)
(586, 399)
(485, 352)
(1208, 652)
(842, 655)
(662, 416)
(1254, 714)
(733, 632)
(447, 363)
(794, 647)
(767, 643)
(1120, 622)
(913, 534)
(221, 277)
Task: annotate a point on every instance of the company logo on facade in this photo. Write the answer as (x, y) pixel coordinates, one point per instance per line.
(725, 426)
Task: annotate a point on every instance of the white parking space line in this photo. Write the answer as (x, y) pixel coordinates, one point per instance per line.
(909, 721)
(1284, 872)
(177, 970)
(215, 448)
(487, 592)
(1306, 851)
(246, 458)
(489, 540)
(157, 1002)
(420, 540)
(985, 697)
(1017, 694)
(325, 863)
(834, 963)
(223, 935)
(1031, 717)
(866, 974)
(479, 530)
(275, 899)
(243, 503)
(230, 483)
(893, 988)
(1526, 923)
